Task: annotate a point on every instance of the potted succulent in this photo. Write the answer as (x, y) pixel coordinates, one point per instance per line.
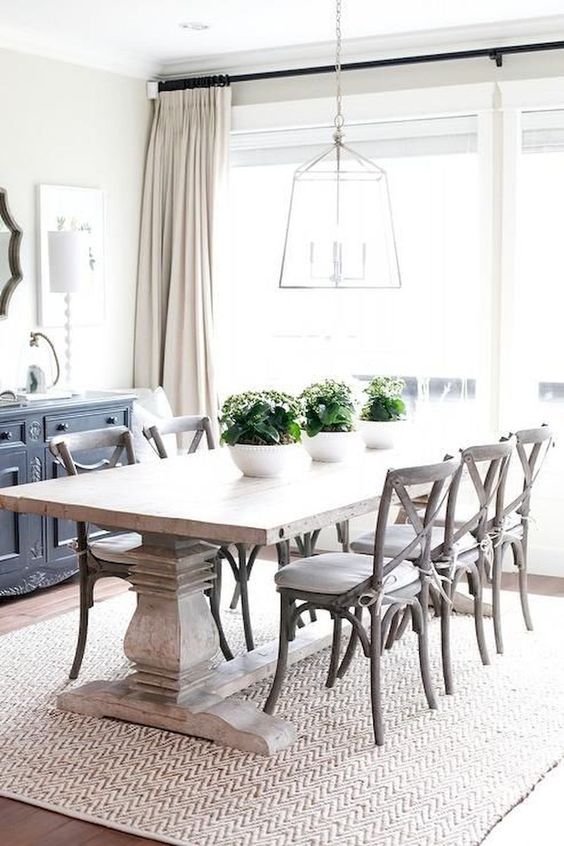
(383, 410)
(329, 414)
(262, 430)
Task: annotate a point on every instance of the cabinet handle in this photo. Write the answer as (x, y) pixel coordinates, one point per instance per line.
(112, 420)
(6, 436)
(62, 427)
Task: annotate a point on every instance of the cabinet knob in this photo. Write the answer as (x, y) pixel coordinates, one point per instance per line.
(111, 420)
(62, 427)
(6, 436)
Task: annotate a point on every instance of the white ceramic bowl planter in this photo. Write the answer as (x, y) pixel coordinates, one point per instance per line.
(380, 434)
(331, 446)
(266, 461)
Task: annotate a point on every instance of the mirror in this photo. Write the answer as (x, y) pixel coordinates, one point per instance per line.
(10, 267)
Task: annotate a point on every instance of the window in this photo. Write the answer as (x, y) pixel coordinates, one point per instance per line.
(426, 331)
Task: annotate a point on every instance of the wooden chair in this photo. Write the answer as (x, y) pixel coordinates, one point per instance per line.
(459, 543)
(106, 556)
(510, 529)
(200, 426)
(345, 583)
(187, 424)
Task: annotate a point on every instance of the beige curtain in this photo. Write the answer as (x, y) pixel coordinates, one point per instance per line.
(181, 231)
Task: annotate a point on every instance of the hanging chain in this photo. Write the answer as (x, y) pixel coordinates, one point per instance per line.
(339, 118)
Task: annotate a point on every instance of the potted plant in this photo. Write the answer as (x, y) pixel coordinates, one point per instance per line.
(382, 411)
(329, 415)
(262, 430)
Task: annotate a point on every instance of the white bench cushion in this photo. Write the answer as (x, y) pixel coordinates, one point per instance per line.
(338, 572)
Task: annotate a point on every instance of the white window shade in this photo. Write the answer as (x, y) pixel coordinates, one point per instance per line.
(391, 139)
(543, 131)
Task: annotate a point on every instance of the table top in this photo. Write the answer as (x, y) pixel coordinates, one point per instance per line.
(205, 496)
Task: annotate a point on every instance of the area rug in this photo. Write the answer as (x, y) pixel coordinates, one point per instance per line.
(443, 777)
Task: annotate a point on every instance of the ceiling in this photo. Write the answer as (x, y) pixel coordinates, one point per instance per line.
(143, 37)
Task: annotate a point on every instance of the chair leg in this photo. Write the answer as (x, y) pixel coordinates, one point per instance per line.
(343, 535)
(281, 666)
(351, 647)
(375, 679)
(520, 561)
(446, 613)
(86, 603)
(420, 610)
(404, 623)
(477, 590)
(496, 598)
(335, 651)
(392, 633)
(215, 608)
(245, 607)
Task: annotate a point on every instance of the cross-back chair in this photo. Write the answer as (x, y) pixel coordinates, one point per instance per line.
(459, 546)
(104, 557)
(241, 567)
(345, 583)
(510, 529)
(186, 424)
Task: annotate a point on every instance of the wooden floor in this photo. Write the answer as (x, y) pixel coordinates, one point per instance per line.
(25, 825)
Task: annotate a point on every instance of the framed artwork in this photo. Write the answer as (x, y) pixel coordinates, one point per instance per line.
(67, 208)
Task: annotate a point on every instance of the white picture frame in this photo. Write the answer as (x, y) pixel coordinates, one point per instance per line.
(71, 207)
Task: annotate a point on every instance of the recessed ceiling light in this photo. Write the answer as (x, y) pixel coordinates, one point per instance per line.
(197, 26)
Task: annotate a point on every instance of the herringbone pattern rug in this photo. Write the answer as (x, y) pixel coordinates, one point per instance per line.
(442, 778)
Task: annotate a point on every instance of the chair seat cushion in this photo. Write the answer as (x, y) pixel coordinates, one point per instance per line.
(400, 535)
(115, 547)
(338, 572)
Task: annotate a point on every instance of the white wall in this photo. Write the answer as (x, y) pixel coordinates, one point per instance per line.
(67, 125)
(406, 77)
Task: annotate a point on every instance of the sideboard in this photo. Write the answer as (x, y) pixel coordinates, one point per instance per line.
(35, 551)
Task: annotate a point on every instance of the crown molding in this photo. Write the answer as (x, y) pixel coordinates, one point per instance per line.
(130, 66)
(373, 47)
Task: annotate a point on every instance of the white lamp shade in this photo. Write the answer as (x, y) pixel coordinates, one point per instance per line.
(68, 261)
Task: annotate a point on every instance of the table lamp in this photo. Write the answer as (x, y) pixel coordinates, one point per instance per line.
(68, 275)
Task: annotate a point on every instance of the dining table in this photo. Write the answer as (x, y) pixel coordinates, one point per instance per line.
(180, 506)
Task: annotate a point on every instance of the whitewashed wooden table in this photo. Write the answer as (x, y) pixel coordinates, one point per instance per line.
(178, 682)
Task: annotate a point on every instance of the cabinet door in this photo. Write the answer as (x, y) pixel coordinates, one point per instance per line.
(13, 543)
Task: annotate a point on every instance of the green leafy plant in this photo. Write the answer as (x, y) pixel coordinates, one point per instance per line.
(261, 418)
(384, 401)
(328, 407)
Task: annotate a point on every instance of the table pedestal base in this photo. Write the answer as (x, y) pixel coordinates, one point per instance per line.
(206, 712)
(239, 725)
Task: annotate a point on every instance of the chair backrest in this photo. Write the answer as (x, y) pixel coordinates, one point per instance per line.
(180, 426)
(438, 477)
(532, 447)
(66, 447)
(486, 467)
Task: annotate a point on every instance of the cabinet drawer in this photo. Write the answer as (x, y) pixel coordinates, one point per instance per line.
(12, 433)
(62, 423)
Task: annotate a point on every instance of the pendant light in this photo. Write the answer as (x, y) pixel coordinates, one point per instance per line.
(340, 232)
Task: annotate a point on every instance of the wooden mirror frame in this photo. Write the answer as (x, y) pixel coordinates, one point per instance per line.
(7, 287)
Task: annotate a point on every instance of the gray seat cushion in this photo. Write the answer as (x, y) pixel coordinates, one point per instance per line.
(113, 548)
(338, 572)
(400, 535)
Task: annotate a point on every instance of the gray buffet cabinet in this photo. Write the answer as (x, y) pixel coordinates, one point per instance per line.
(34, 551)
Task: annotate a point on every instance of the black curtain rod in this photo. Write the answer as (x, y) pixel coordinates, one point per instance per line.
(496, 54)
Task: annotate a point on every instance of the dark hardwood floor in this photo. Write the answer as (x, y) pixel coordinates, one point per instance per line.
(26, 825)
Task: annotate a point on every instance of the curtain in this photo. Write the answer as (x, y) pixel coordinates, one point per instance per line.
(180, 243)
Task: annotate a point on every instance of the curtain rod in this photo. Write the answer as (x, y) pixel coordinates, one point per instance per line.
(496, 54)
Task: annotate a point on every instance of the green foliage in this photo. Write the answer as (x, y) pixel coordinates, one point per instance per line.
(384, 401)
(261, 418)
(328, 407)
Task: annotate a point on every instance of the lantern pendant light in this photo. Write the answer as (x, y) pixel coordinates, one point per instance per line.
(340, 232)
